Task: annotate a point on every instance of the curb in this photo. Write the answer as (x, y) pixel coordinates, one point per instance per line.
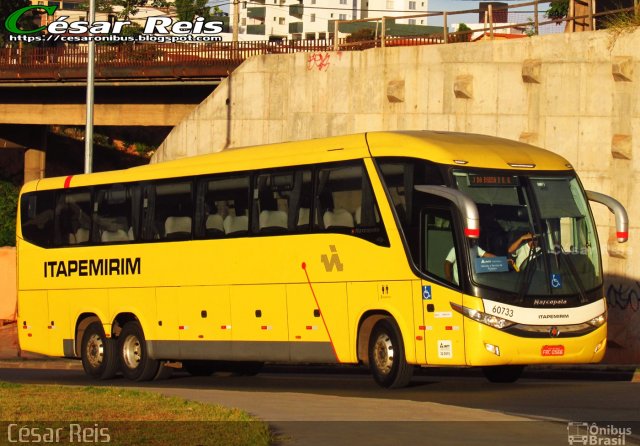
(49, 364)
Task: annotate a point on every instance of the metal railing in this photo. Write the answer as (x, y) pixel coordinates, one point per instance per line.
(532, 26)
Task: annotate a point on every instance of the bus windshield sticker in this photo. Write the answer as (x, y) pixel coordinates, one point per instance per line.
(491, 264)
(426, 292)
(556, 281)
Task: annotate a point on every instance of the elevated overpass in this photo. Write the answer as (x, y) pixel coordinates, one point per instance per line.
(136, 85)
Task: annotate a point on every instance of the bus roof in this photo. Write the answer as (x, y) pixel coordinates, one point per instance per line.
(452, 148)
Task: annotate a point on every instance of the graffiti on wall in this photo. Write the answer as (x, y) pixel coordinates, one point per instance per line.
(624, 297)
(319, 61)
(623, 304)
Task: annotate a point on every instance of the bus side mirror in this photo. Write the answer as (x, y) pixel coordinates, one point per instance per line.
(622, 220)
(465, 205)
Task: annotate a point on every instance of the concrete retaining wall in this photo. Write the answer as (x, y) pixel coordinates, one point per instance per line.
(8, 284)
(575, 94)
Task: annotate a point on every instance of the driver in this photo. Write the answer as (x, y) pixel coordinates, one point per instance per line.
(450, 270)
(521, 249)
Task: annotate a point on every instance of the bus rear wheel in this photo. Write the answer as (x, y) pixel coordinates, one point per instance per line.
(503, 373)
(386, 356)
(134, 356)
(98, 353)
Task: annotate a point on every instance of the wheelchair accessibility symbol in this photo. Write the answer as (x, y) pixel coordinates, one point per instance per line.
(426, 292)
(556, 281)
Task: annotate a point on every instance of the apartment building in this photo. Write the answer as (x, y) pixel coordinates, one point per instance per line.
(313, 19)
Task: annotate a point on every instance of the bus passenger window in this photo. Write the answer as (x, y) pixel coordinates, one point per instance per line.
(226, 210)
(282, 201)
(345, 204)
(174, 210)
(37, 217)
(113, 218)
(73, 217)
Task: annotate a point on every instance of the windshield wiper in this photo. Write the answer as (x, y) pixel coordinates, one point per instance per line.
(527, 273)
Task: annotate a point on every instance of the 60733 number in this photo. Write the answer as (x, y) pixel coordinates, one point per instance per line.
(502, 311)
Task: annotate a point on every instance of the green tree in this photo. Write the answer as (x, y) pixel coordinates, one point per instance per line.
(129, 7)
(8, 208)
(466, 37)
(188, 9)
(6, 8)
(558, 9)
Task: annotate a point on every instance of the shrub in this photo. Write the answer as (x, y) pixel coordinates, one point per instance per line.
(8, 208)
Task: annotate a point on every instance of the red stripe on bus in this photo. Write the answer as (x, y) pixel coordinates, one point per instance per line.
(67, 181)
(313, 293)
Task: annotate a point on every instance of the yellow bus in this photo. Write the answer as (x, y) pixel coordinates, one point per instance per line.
(388, 249)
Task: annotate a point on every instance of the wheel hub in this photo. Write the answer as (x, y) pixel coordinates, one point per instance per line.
(383, 354)
(95, 351)
(131, 352)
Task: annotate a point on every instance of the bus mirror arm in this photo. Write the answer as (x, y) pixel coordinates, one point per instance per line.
(622, 219)
(463, 202)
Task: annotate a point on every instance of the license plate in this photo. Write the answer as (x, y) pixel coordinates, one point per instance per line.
(553, 350)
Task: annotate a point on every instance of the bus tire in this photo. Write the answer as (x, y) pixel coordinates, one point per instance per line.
(134, 356)
(386, 356)
(199, 368)
(98, 353)
(503, 373)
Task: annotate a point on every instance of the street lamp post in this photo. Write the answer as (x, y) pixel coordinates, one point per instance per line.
(91, 60)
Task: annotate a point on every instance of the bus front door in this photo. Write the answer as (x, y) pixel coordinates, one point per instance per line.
(443, 327)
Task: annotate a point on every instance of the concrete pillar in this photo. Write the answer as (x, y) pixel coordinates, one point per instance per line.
(35, 159)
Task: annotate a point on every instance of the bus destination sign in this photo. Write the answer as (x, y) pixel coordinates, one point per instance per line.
(493, 180)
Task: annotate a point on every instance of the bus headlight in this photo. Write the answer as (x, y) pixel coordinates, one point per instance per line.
(598, 321)
(483, 318)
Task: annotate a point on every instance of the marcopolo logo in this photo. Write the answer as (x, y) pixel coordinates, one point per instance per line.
(158, 29)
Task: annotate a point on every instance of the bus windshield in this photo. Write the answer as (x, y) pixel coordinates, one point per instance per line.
(537, 236)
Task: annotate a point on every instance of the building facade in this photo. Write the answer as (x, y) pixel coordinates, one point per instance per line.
(313, 19)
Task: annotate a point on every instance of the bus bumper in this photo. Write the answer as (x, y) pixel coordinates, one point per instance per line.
(485, 345)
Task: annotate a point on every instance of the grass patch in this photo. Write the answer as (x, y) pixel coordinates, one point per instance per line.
(621, 23)
(130, 416)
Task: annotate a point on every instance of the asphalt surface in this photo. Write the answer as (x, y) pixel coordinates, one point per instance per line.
(335, 405)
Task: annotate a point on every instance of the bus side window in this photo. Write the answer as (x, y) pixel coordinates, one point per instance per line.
(223, 206)
(174, 210)
(345, 203)
(73, 217)
(37, 217)
(282, 201)
(113, 218)
(439, 247)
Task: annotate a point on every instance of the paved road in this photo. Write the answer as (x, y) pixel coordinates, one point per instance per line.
(316, 406)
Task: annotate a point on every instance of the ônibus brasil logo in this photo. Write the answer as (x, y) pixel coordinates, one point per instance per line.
(155, 29)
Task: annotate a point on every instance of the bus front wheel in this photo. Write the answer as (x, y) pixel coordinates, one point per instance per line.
(503, 373)
(386, 356)
(99, 357)
(134, 356)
